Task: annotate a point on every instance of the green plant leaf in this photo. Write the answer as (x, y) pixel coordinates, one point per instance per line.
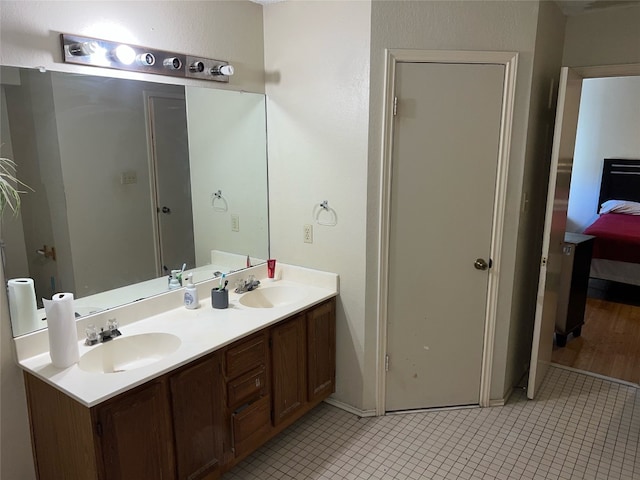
(10, 186)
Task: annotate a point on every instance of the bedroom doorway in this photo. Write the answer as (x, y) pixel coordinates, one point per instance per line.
(558, 194)
(607, 127)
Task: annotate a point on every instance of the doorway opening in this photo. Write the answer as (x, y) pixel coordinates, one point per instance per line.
(564, 143)
(608, 117)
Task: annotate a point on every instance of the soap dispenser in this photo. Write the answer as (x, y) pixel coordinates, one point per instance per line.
(191, 294)
(174, 282)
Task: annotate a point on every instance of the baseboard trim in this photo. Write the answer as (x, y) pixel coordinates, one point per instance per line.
(501, 402)
(348, 408)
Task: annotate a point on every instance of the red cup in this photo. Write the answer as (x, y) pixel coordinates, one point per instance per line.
(271, 268)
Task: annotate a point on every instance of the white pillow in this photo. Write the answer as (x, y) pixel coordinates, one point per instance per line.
(620, 206)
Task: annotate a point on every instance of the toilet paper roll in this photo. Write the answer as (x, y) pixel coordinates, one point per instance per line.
(63, 335)
(22, 306)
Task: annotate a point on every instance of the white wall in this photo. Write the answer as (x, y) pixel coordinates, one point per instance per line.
(32, 121)
(10, 223)
(227, 30)
(14, 431)
(608, 127)
(603, 37)
(544, 86)
(317, 63)
(227, 139)
(101, 134)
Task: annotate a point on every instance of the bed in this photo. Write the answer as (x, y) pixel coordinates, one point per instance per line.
(616, 249)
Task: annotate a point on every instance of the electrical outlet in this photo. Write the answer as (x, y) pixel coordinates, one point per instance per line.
(235, 223)
(308, 233)
(128, 178)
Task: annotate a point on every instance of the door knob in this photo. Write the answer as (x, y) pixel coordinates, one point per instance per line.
(481, 264)
(166, 210)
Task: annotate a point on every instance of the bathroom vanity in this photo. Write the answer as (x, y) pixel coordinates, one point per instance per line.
(239, 377)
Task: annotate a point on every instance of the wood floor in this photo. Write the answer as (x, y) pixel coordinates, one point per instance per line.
(609, 344)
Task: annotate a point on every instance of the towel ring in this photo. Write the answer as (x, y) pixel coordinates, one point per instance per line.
(325, 215)
(218, 202)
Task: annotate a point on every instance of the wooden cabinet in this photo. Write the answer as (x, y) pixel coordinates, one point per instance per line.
(197, 421)
(321, 351)
(303, 356)
(288, 359)
(248, 410)
(126, 437)
(135, 434)
(574, 283)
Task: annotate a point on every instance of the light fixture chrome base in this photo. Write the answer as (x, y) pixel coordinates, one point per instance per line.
(133, 58)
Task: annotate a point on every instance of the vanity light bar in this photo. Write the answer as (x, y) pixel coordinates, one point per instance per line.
(107, 54)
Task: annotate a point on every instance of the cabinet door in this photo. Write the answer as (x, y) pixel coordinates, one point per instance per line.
(245, 355)
(288, 343)
(321, 351)
(195, 399)
(251, 426)
(247, 388)
(136, 435)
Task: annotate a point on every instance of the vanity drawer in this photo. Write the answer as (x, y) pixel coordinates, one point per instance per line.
(246, 355)
(246, 387)
(251, 425)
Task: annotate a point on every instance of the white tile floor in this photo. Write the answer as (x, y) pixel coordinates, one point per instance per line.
(581, 427)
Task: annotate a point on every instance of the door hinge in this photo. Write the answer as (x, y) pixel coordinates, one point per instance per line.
(99, 429)
(386, 363)
(395, 106)
(544, 261)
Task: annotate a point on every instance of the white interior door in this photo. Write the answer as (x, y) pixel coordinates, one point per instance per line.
(443, 180)
(564, 139)
(170, 159)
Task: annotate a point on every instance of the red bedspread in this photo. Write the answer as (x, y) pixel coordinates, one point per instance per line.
(617, 237)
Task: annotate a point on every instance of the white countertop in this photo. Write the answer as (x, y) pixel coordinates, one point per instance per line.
(201, 331)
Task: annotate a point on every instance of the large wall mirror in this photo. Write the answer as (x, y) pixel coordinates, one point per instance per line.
(130, 180)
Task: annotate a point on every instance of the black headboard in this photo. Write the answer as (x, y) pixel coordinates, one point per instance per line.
(620, 180)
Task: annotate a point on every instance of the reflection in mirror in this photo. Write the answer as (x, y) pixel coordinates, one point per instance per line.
(131, 180)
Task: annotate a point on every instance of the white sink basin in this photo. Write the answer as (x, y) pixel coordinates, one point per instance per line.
(269, 297)
(128, 353)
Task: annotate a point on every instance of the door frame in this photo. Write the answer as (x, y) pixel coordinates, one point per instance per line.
(394, 56)
(148, 96)
(561, 129)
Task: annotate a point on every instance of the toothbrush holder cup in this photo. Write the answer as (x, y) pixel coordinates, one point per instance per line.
(219, 298)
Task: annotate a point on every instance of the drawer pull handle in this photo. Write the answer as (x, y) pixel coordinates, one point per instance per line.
(257, 383)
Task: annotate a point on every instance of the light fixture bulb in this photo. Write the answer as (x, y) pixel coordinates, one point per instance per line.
(146, 59)
(125, 54)
(172, 63)
(197, 67)
(222, 70)
(227, 70)
(83, 48)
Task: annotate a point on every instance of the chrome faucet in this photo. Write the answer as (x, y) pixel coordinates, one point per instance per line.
(93, 336)
(247, 285)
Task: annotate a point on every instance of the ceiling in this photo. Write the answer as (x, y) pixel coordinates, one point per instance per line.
(577, 7)
(568, 7)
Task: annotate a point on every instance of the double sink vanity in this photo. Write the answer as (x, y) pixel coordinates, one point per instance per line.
(184, 394)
